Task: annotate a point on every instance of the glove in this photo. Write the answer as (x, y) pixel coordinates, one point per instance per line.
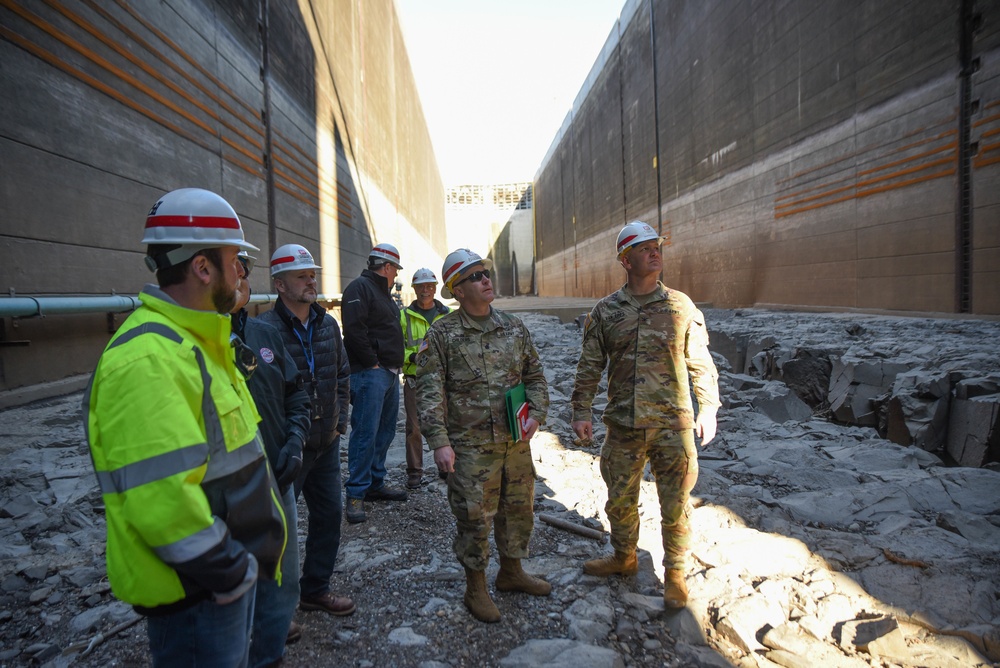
(289, 464)
(249, 580)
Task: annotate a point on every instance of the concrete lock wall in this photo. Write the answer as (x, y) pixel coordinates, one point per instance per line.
(496, 221)
(839, 154)
(108, 104)
(513, 259)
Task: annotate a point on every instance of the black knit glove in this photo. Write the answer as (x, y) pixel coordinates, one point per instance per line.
(289, 464)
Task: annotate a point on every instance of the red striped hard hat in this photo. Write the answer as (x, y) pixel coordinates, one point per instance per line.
(455, 265)
(193, 219)
(634, 234)
(291, 257)
(385, 253)
(423, 275)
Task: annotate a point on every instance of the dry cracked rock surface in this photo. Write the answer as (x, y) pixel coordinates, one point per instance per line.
(816, 543)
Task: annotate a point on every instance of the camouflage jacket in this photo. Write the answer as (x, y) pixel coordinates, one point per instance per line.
(463, 373)
(651, 351)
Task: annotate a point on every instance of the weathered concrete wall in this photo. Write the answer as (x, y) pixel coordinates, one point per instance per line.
(513, 255)
(806, 154)
(108, 104)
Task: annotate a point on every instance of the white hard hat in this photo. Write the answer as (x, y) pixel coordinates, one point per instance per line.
(291, 257)
(423, 275)
(193, 219)
(455, 265)
(634, 234)
(385, 253)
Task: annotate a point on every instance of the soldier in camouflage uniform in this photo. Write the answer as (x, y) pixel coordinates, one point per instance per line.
(653, 341)
(469, 360)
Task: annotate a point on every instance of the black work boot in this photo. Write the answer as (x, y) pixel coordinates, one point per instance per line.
(386, 493)
(355, 511)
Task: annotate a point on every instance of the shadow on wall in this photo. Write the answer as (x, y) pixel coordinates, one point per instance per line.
(355, 238)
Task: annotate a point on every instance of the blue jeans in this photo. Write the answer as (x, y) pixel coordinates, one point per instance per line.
(374, 407)
(206, 634)
(275, 606)
(319, 482)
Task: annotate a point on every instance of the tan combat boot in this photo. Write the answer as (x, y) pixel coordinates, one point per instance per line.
(675, 591)
(477, 599)
(513, 578)
(621, 563)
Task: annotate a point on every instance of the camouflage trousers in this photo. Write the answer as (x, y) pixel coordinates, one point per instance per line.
(493, 486)
(673, 459)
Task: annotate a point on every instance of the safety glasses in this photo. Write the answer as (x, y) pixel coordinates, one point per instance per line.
(246, 360)
(475, 277)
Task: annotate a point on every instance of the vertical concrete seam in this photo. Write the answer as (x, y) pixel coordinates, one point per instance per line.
(963, 209)
(656, 119)
(265, 76)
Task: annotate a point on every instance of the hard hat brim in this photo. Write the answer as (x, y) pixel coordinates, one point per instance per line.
(485, 262)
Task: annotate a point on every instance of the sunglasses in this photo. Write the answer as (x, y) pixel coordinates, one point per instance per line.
(246, 360)
(247, 263)
(475, 277)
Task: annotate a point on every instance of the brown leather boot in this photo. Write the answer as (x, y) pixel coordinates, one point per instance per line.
(675, 591)
(620, 563)
(477, 599)
(513, 578)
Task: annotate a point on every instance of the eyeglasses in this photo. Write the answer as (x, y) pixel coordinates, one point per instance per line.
(246, 360)
(475, 277)
(247, 263)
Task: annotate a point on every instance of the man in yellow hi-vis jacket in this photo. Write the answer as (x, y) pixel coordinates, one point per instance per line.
(193, 513)
(415, 320)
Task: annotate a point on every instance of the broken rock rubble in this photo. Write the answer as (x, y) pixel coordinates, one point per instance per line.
(815, 543)
(933, 383)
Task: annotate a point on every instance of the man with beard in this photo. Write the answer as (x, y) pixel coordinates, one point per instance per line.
(190, 504)
(313, 339)
(471, 359)
(652, 340)
(284, 407)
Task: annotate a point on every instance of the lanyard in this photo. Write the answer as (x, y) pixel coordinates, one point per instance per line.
(307, 350)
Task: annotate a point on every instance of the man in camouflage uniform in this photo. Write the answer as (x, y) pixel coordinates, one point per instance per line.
(470, 359)
(653, 340)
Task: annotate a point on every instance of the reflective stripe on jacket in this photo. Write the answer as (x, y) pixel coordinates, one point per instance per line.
(415, 327)
(179, 459)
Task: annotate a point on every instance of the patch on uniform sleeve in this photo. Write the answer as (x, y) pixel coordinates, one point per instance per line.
(587, 323)
(421, 358)
(267, 355)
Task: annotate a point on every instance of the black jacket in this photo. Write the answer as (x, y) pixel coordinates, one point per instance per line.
(328, 383)
(276, 386)
(372, 333)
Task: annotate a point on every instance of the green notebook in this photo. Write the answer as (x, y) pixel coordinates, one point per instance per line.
(517, 412)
